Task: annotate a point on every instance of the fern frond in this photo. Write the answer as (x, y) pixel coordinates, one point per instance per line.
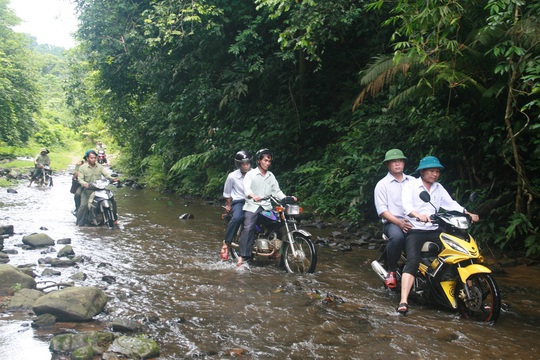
(189, 161)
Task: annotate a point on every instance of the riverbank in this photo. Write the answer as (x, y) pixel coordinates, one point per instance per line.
(165, 273)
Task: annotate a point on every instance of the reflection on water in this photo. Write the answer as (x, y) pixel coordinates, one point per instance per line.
(169, 276)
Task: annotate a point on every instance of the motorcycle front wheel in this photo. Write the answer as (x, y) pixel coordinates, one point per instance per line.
(484, 303)
(108, 217)
(305, 260)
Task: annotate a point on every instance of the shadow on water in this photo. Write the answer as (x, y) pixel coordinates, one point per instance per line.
(169, 276)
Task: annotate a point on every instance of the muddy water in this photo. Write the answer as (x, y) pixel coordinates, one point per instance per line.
(168, 276)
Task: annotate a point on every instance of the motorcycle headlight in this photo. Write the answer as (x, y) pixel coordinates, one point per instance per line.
(456, 246)
(293, 209)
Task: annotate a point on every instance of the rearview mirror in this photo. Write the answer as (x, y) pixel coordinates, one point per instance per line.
(424, 195)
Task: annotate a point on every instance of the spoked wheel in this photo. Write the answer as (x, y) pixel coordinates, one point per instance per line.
(108, 217)
(484, 303)
(305, 260)
(234, 248)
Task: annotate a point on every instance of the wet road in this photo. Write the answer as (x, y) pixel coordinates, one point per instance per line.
(168, 272)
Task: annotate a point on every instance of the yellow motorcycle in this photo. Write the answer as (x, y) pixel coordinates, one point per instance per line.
(453, 276)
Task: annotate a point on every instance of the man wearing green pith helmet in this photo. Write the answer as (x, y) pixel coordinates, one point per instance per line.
(387, 197)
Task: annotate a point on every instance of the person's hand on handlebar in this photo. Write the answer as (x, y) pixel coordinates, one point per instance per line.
(420, 217)
(474, 217)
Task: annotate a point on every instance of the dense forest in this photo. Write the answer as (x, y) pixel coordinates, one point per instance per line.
(328, 85)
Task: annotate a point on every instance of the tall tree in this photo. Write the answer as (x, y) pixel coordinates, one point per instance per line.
(19, 96)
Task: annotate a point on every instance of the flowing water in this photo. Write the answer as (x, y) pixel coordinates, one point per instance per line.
(169, 277)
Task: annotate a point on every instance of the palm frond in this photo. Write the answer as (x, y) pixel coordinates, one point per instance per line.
(381, 73)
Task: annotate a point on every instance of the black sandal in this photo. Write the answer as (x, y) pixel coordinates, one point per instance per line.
(403, 308)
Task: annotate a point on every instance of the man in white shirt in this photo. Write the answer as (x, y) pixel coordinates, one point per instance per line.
(387, 197)
(258, 184)
(419, 212)
(233, 192)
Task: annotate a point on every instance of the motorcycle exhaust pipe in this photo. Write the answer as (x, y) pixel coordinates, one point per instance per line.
(377, 267)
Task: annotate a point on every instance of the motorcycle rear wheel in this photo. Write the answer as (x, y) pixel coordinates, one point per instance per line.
(306, 259)
(485, 302)
(234, 248)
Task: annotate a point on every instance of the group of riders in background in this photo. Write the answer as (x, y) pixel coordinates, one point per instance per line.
(87, 171)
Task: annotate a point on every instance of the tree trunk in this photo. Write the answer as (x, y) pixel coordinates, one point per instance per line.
(508, 116)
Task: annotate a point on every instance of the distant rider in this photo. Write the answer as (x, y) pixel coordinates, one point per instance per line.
(90, 172)
(389, 208)
(258, 184)
(41, 160)
(233, 192)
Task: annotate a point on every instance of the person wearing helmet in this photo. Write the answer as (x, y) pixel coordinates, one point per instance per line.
(233, 192)
(89, 172)
(39, 163)
(258, 184)
(419, 213)
(387, 197)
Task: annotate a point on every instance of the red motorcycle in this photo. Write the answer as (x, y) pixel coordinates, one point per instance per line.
(101, 158)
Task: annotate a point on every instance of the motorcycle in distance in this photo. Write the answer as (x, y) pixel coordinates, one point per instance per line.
(453, 276)
(101, 157)
(45, 177)
(101, 204)
(277, 236)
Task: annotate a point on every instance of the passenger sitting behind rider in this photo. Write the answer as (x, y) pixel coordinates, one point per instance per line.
(90, 172)
(419, 212)
(388, 204)
(41, 160)
(258, 184)
(233, 192)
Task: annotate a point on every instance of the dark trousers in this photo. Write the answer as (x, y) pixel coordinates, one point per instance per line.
(77, 197)
(36, 173)
(82, 211)
(414, 240)
(394, 247)
(236, 220)
(247, 239)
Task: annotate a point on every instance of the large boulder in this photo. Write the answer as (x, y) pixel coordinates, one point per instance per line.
(14, 174)
(24, 299)
(12, 279)
(38, 240)
(6, 230)
(72, 304)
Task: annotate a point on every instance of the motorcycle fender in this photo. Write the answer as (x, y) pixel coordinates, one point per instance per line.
(466, 272)
(302, 232)
(449, 288)
(105, 204)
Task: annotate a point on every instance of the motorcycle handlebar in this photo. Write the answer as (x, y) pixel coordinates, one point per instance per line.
(286, 200)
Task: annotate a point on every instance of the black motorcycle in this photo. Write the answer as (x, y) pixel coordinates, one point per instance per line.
(277, 236)
(101, 204)
(45, 176)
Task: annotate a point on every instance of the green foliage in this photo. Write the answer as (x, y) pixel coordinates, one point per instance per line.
(182, 86)
(154, 175)
(520, 230)
(19, 96)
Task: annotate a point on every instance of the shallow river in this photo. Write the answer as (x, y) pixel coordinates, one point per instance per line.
(169, 277)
